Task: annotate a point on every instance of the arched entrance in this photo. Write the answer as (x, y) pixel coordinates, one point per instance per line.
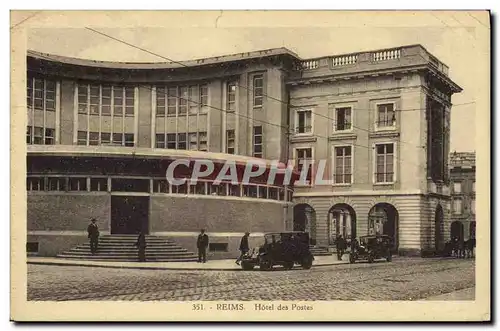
(457, 230)
(341, 221)
(304, 219)
(383, 218)
(472, 230)
(439, 228)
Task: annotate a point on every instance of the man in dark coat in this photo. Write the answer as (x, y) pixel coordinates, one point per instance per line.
(141, 245)
(202, 244)
(93, 231)
(244, 247)
(341, 247)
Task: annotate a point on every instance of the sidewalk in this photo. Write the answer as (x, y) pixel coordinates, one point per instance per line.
(460, 295)
(215, 265)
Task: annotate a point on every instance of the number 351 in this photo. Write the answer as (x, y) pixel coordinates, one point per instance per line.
(198, 306)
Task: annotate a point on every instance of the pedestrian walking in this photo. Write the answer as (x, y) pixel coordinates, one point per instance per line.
(341, 247)
(244, 247)
(93, 234)
(202, 244)
(141, 246)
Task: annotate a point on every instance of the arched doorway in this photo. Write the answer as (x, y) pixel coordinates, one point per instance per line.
(457, 230)
(472, 230)
(439, 229)
(341, 221)
(304, 219)
(383, 218)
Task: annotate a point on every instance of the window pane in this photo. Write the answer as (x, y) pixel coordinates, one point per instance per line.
(129, 139)
(99, 184)
(172, 91)
(380, 149)
(171, 141)
(117, 138)
(105, 138)
(106, 91)
(129, 93)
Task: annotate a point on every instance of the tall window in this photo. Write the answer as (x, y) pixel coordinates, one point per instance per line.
(343, 119)
(194, 104)
(457, 206)
(96, 99)
(473, 186)
(231, 97)
(257, 141)
(41, 94)
(181, 100)
(38, 136)
(230, 138)
(343, 165)
(304, 159)
(457, 187)
(473, 206)
(386, 115)
(303, 121)
(202, 142)
(384, 163)
(258, 91)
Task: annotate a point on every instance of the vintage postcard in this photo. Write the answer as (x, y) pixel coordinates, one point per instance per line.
(250, 166)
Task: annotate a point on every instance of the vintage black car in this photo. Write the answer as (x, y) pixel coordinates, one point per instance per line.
(280, 248)
(370, 248)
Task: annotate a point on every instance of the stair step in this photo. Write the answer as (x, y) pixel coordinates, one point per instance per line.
(128, 249)
(122, 248)
(128, 253)
(131, 259)
(131, 243)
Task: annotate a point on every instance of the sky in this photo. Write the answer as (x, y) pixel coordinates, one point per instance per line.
(455, 45)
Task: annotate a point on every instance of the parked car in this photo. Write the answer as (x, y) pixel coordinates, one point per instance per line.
(371, 247)
(280, 248)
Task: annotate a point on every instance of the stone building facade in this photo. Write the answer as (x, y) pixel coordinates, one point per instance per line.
(463, 194)
(100, 133)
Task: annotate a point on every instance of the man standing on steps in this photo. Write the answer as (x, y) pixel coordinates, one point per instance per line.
(93, 231)
(141, 245)
(202, 244)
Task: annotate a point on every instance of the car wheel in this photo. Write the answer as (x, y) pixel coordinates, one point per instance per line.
(389, 258)
(307, 263)
(352, 259)
(265, 265)
(246, 266)
(288, 265)
(370, 258)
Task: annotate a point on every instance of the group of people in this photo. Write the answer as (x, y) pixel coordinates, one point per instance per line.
(201, 243)
(458, 247)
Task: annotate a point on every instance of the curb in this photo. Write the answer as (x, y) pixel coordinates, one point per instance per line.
(152, 267)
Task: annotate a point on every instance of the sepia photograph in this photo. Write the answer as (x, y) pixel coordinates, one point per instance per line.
(265, 165)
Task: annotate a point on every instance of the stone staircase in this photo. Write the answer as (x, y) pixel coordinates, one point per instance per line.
(122, 248)
(319, 251)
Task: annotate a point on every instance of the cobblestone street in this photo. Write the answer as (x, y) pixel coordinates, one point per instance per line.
(403, 279)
